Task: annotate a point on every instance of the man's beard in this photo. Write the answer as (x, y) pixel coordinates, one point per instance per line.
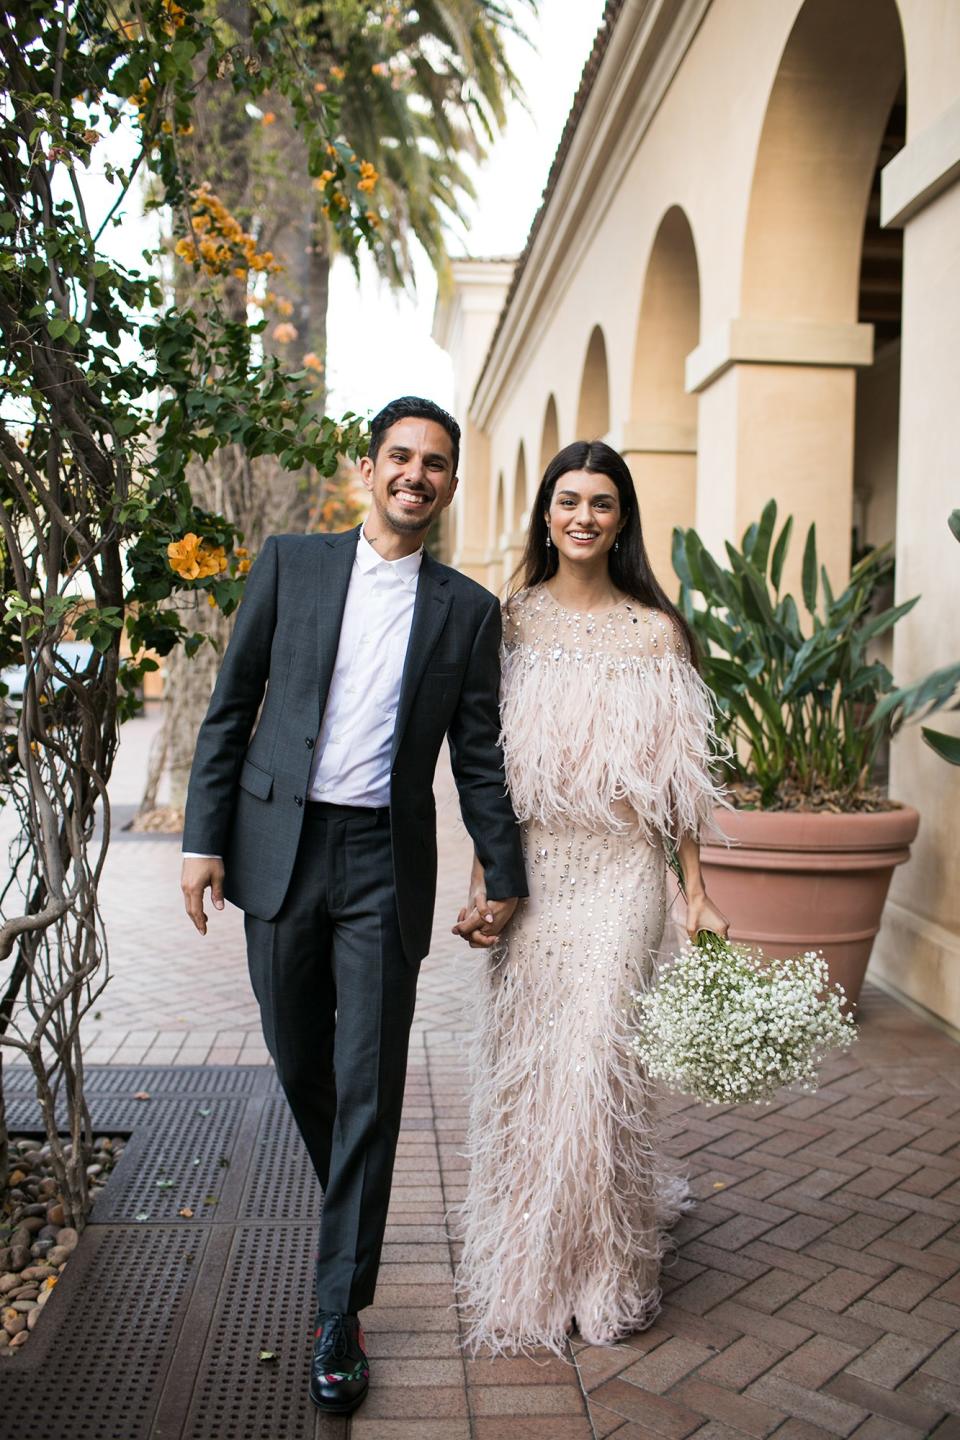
(408, 524)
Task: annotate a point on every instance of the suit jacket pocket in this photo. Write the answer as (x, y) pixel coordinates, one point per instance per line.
(256, 781)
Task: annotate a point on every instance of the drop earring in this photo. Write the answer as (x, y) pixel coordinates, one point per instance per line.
(616, 543)
(549, 541)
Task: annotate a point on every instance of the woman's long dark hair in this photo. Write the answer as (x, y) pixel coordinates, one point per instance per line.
(629, 563)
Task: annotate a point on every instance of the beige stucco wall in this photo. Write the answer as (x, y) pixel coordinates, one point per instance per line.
(761, 121)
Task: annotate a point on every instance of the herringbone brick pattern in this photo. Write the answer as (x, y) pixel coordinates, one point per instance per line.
(815, 1287)
(815, 1290)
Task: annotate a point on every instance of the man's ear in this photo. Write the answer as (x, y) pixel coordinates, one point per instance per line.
(452, 491)
(365, 466)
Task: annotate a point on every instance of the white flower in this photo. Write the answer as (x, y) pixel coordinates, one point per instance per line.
(725, 1023)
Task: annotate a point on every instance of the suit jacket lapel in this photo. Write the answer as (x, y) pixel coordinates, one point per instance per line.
(331, 581)
(429, 616)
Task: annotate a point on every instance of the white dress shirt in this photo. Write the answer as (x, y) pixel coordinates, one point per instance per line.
(351, 763)
(352, 758)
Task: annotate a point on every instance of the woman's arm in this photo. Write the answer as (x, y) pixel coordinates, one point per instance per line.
(702, 914)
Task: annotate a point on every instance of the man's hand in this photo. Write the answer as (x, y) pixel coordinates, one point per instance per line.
(196, 875)
(482, 921)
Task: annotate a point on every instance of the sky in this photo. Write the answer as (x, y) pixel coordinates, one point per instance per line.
(379, 342)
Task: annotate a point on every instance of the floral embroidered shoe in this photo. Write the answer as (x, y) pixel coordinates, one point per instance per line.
(339, 1373)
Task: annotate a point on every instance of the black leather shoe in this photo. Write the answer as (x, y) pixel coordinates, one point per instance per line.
(339, 1373)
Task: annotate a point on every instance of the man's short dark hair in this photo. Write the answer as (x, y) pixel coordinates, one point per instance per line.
(413, 407)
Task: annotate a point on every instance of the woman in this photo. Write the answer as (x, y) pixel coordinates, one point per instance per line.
(606, 732)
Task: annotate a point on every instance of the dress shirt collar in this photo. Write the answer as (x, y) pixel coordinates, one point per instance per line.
(407, 568)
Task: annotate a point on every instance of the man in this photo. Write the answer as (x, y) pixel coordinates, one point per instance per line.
(369, 652)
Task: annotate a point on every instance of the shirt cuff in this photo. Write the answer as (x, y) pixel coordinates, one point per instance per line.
(197, 855)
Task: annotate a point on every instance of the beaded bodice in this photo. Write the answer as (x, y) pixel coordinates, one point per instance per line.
(606, 724)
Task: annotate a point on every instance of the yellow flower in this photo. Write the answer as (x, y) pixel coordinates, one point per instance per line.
(284, 308)
(323, 179)
(312, 361)
(379, 69)
(193, 559)
(240, 550)
(184, 129)
(341, 200)
(243, 567)
(186, 250)
(212, 601)
(285, 332)
(167, 127)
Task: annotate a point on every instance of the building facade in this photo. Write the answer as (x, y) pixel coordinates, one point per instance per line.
(745, 275)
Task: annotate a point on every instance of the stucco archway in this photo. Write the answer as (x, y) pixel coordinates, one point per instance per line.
(660, 437)
(549, 436)
(798, 342)
(593, 407)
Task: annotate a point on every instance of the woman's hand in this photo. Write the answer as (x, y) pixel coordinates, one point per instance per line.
(702, 914)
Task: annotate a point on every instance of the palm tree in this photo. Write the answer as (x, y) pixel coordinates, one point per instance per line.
(420, 90)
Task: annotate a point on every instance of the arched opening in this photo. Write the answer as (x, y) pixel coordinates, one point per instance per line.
(520, 490)
(550, 436)
(499, 517)
(660, 438)
(593, 408)
(813, 266)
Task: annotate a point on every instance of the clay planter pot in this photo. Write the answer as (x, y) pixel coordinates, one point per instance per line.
(791, 882)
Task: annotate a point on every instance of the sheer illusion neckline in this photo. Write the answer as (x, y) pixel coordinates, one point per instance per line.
(586, 614)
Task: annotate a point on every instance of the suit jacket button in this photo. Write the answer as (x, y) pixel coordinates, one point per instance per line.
(309, 742)
(299, 799)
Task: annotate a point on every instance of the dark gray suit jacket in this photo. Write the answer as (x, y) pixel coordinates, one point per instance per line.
(247, 791)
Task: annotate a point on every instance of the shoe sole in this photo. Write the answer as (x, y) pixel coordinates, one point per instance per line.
(345, 1409)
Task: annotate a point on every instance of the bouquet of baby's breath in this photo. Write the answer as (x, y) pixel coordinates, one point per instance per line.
(726, 1023)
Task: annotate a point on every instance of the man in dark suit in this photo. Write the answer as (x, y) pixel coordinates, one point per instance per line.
(318, 820)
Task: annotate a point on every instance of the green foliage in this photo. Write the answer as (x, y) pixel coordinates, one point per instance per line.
(938, 691)
(108, 394)
(796, 700)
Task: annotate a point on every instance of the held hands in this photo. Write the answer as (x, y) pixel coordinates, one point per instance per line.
(197, 873)
(481, 921)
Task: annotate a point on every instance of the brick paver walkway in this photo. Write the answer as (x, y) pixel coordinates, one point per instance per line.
(816, 1287)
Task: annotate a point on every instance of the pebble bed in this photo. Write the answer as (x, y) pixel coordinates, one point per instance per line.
(35, 1242)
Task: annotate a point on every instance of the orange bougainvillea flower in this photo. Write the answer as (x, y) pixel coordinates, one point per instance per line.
(337, 71)
(320, 87)
(312, 361)
(269, 118)
(285, 308)
(193, 559)
(285, 332)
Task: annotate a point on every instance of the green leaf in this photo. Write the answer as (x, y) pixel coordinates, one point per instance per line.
(761, 548)
(954, 523)
(780, 553)
(809, 575)
(56, 327)
(946, 746)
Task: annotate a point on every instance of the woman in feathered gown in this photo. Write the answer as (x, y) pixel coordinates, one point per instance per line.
(606, 733)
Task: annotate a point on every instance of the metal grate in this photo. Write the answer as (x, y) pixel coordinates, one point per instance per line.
(95, 1365)
(264, 1304)
(180, 1079)
(189, 1142)
(281, 1184)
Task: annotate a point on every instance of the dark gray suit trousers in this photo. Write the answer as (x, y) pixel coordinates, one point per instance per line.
(336, 998)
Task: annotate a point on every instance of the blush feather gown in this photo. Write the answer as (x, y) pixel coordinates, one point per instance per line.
(606, 734)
